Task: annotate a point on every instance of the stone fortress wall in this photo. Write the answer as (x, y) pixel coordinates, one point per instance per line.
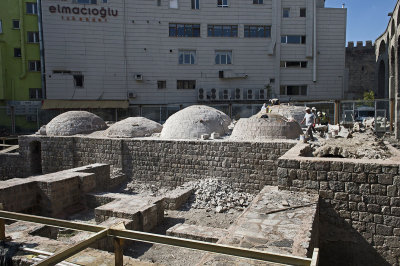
(360, 199)
(361, 67)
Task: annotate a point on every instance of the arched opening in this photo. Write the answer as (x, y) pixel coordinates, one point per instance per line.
(35, 152)
(392, 61)
(393, 28)
(381, 80)
(382, 47)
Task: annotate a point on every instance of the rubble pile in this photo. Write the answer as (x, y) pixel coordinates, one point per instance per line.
(357, 145)
(215, 194)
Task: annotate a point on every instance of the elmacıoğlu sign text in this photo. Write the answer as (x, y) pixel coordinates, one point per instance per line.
(86, 11)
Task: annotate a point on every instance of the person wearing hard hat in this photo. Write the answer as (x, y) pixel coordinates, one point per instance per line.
(323, 118)
(309, 118)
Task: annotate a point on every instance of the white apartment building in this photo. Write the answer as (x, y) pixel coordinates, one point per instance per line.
(162, 52)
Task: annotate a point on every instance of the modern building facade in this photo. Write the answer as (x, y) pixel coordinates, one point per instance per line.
(181, 51)
(20, 65)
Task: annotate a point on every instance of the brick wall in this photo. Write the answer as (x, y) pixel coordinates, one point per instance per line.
(360, 195)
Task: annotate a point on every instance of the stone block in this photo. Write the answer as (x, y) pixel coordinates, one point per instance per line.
(336, 166)
(384, 230)
(341, 196)
(366, 217)
(395, 211)
(351, 188)
(385, 179)
(359, 178)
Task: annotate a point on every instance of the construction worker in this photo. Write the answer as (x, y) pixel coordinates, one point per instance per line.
(323, 118)
(309, 118)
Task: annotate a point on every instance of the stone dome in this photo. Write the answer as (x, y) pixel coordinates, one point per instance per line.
(133, 127)
(193, 121)
(74, 122)
(270, 126)
(290, 112)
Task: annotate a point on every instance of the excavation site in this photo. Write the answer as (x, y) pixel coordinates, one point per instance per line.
(201, 189)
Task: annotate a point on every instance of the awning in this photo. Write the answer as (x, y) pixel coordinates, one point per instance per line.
(77, 104)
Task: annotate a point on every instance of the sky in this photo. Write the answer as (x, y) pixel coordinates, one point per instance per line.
(366, 19)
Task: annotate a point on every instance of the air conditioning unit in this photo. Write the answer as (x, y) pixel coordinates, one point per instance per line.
(131, 94)
(261, 94)
(138, 77)
(224, 95)
(213, 94)
(249, 94)
(237, 94)
(201, 95)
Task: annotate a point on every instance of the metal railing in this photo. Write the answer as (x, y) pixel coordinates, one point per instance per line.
(120, 234)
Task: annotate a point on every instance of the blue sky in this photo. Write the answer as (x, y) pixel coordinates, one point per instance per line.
(366, 19)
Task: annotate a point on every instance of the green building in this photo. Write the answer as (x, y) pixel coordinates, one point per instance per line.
(20, 66)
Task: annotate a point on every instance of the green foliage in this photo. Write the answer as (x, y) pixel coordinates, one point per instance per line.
(369, 96)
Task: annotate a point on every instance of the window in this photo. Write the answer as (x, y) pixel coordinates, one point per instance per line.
(78, 81)
(35, 94)
(15, 24)
(17, 52)
(294, 64)
(286, 12)
(33, 37)
(254, 31)
(293, 39)
(222, 3)
(31, 8)
(161, 84)
(93, 2)
(222, 31)
(186, 84)
(195, 4)
(173, 3)
(184, 30)
(299, 90)
(158, 2)
(258, 2)
(1, 27)
(34, 66)
(223, 57)
(187, 57)
(303, 12)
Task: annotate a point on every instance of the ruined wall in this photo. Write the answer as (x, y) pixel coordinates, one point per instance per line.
(249, 165)
(360, 206)
(55, 194)
(11, 166)
(360, 62)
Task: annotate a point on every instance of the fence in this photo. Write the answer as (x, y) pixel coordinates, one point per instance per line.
(26, 120)
(119, 234)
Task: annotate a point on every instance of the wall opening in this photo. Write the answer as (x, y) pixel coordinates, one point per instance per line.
(381, 80)
(35, 151)
(382, 48)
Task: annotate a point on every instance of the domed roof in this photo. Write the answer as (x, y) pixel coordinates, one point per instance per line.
(193, 121)
(74, 122)
(133, 127)
(290, 112)
(269, 126)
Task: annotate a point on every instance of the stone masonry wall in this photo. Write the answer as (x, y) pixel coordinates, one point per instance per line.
(360, 204)
(11, 166)
(249, 165)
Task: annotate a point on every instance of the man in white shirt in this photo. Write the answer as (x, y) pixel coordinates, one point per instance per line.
(309, 118)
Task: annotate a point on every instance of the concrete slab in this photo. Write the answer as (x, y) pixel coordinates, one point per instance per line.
(276, 221)
(196, 232)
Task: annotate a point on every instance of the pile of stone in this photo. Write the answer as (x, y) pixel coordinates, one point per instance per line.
(217, 195)
(357, 145)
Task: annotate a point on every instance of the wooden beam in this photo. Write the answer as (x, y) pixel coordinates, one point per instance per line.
(315, 257)
(118, 251)
(10, 149)
(72, 250)
(210, 247)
